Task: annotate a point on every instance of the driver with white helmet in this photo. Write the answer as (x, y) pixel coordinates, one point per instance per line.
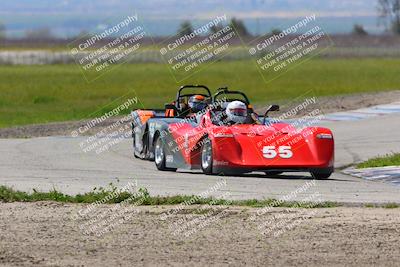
(236, 112)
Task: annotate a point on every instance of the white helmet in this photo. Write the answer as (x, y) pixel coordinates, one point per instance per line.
(236, 112)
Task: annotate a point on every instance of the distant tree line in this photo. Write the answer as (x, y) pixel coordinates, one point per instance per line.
(39, 34)
(186, 27)
(358, 29)
(2, 31)
(389, 12)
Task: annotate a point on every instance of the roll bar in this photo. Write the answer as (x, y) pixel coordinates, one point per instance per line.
(225, 91)
(205, 88)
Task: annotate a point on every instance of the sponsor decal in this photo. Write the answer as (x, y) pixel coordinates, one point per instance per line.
(169, 158)
(220, 163)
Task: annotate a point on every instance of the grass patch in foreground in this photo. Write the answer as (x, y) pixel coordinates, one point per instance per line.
(386, 206)
(382, 161)
(102, 195)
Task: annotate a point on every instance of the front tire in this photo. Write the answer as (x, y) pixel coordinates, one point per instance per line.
(159, 156)
(207, 157)
(272, 173)
(322, 174)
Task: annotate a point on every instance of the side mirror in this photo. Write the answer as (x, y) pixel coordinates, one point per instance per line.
(270, 108)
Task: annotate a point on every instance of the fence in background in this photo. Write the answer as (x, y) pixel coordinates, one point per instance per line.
(43, 57)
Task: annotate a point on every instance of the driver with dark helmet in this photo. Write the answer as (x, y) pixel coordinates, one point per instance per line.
(197, 103)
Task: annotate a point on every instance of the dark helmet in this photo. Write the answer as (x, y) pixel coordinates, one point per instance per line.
(197, 103)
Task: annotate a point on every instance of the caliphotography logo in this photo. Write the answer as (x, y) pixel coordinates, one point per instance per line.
(101, 52)
(110, 128)
(281, 51)
(194, 49)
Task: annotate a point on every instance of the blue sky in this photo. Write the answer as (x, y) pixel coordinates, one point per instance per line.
(187, 8)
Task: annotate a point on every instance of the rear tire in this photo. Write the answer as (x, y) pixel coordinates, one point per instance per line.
(207, 157)
(321, 174)
(134, 143)
(159, 156)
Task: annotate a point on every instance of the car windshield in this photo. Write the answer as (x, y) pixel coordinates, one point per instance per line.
(220, 118)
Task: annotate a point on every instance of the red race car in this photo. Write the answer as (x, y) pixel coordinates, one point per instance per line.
(228, 137)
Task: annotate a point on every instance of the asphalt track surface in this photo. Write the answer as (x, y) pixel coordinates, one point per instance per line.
(58, 162)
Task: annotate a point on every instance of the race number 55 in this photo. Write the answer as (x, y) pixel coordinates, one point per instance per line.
(284, 152)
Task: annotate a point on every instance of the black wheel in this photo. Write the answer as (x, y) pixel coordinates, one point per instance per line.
(207, 157)
(272, 173)
(321, 174)
(159, 156)
(134, 143)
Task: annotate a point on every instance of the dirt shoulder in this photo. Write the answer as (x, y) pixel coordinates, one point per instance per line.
(330, 104)
(48, 234)
(55, 129)
(325, 104)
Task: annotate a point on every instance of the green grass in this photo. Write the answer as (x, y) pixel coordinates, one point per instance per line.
(8, 194)
(49, 93)
(391, 206)
(386, 205)
(387, 160)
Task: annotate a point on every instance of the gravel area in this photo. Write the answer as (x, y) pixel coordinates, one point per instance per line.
(330, 104)
(48, 234)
